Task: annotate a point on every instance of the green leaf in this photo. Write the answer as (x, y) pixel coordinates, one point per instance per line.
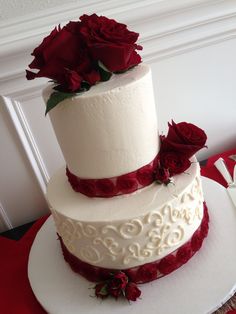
(104, 72)
(104, 290)
(55, 98)
(85, 86)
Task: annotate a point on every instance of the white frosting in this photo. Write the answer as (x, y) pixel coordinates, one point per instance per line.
(111, 129)
(127, 231)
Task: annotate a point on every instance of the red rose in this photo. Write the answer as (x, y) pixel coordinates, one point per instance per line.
(117, 284)
(115, 293)
(168, 264)
(186, 132)
(87, 187)
(132, 292)
(145, 175)
(186, 138)
(196, 241)
(127, 183)
(184, 253)
(110, 42)
(175, 162)
(62, 57)
(147, 272)
(118, 280)
(162, 175)
(105, 187)
(101, 290)
(72, 80)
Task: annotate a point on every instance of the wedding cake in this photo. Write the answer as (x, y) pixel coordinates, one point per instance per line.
(128, 207)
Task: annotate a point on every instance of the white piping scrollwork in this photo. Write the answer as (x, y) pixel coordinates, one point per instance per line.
(67, 228)
(174, 237)
(127, 230)
(85, 230)
(154, 218)
(135, 251)
(136, 239)
(110, 244)
(90, 254)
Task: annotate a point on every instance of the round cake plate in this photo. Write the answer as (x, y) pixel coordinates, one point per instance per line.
(201, 286)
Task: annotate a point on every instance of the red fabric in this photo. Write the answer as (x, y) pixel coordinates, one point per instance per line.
(109, 187)
(16, 296)
(210, 170)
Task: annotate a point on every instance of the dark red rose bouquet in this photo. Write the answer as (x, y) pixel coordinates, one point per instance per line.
(117, 285)
(83, 53)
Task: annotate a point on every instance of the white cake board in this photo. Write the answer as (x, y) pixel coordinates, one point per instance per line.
(201, 286)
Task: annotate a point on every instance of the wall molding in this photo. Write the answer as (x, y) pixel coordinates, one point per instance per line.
(191, 37)
(27, 140)
(5, 223)
(167, 28)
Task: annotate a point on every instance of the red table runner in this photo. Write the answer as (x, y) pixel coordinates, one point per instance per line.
(16, 296)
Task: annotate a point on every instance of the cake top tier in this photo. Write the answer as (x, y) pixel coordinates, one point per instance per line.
(111, 129)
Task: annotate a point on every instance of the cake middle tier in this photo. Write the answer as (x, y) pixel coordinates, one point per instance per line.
(127, 231)
(111, 129)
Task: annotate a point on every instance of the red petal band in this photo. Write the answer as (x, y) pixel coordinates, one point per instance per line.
(148, 271)
(109, 187)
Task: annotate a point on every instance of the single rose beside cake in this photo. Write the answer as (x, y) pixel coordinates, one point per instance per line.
(128, 206)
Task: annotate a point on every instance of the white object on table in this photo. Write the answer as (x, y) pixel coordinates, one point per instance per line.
(222, 168)
(201, 286)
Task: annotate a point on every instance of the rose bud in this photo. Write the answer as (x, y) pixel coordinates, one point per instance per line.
(117, 283)
(132, 292)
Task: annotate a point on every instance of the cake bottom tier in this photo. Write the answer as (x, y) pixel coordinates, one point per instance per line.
(127, 231)
(148, 271)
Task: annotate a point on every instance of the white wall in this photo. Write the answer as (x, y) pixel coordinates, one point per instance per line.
(191, 47)
(200, 87)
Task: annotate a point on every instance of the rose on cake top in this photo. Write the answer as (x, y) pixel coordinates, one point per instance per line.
(83, 53)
